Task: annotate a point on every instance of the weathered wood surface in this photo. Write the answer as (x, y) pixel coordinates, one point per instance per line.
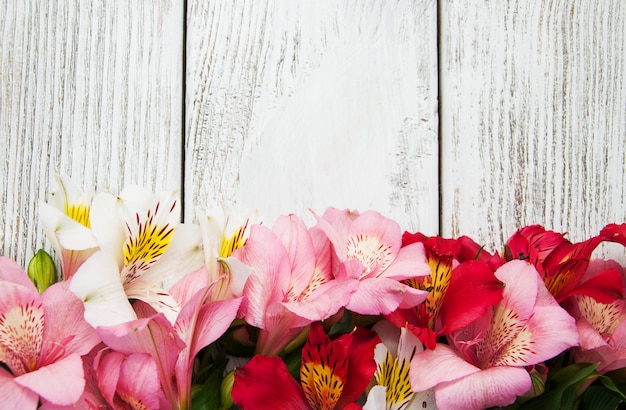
(533, 110)
(308, 104)
(89, 88)
(296, 105)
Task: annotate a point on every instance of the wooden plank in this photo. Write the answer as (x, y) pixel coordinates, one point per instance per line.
(88, 88)
(308, 104)
(533, 117)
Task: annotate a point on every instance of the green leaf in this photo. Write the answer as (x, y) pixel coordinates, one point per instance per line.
(207, 396)
(561, 386)
(346, 325)
(610, 385)
(600, 398)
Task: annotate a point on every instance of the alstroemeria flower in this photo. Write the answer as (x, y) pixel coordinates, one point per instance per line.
(371, 247)
(484, 365)
(291, 284)
(447, 307)
(67, 223)
(143, 249)
(42, 339)
(333, 374)
(393, 360)
(602, 326)
(223, 232)
(174, 348)
(562, 263)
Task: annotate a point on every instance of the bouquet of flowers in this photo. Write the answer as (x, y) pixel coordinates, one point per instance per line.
(140, 311)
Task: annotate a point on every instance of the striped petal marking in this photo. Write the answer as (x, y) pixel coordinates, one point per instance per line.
(604, 317)
(148, 239)
(374, 255)
(323, 373)
(21, 336)
(393, 373)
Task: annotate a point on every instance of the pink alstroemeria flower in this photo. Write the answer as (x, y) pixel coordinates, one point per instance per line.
(333, 374)
(484, 365)
(291, 284)
(174, 347)
(601, 326)
(42, 339)
(370, 248)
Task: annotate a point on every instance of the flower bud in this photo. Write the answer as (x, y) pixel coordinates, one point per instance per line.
(41, 270)
(226, 400)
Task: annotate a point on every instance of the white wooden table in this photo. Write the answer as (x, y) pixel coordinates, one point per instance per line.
(452, 117)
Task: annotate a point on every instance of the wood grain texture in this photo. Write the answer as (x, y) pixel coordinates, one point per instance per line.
(88, 88)
(533, 117)
(308, 104)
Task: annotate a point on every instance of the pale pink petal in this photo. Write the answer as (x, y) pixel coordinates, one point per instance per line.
(589, 337)
(374, 241)
(108, 368)
(154, 336)
(10, 271)
(496, 386)
(188, 286)
(409, 263)
(296, 239)
(21, 327)
(335, 227)
(269, 281)
(520, 292)
(14, 396)
(61, 382)
(138, 384)
(432, 367)
(64, 316)
(382, 296)
(213, 320)
(324, 301)
(97, 283)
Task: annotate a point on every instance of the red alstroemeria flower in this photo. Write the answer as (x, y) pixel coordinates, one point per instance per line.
(447, 307)
(562, 263)
(333, 374)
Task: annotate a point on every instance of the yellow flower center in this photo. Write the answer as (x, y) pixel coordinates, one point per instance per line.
(394, 375)
(79, 213)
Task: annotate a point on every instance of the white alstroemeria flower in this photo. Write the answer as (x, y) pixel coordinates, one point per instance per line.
(143, 248)
(223, 232)
(393, 360)
(67, 224)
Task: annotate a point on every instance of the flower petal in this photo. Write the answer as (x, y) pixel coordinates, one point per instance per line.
(269, 281)
(97, 283)
(496, 386)
(64, 317)
(431, 367)
(382, 296)
(138, 384)
(13, 395)
(61, 382)
(265, 383)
